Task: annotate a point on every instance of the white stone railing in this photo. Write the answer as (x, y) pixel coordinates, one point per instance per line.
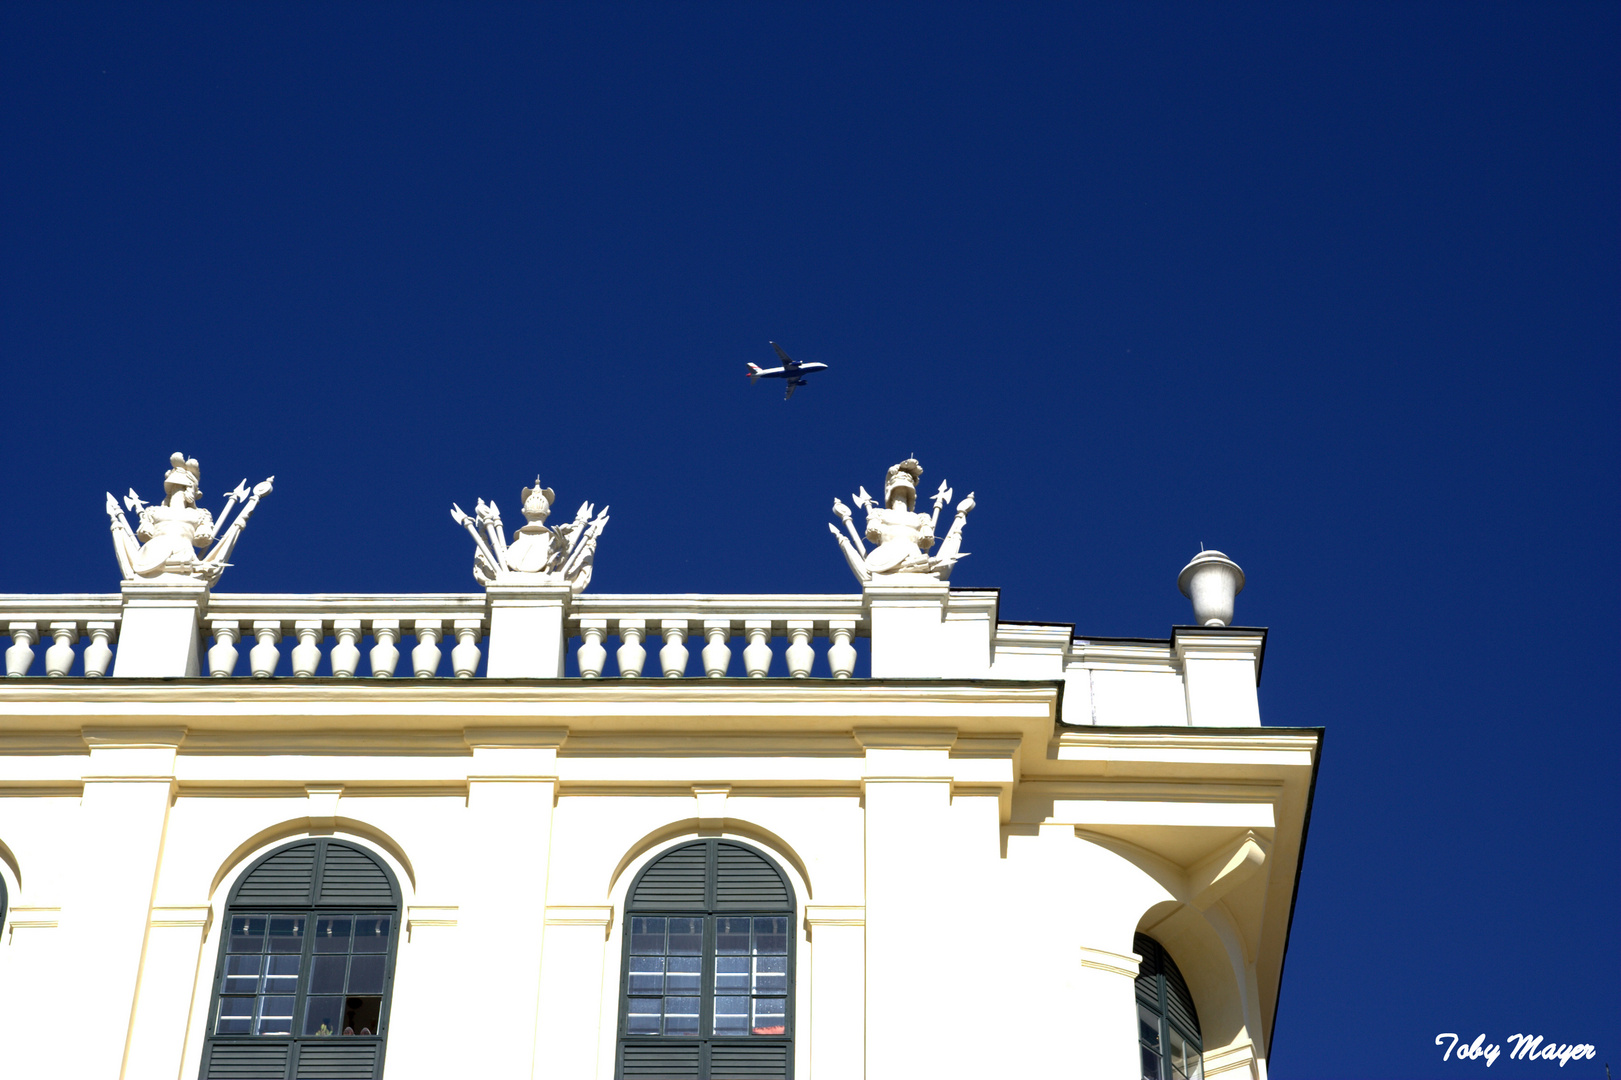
(358, 625)
(62, 620)
(445, 634)
(669, 626)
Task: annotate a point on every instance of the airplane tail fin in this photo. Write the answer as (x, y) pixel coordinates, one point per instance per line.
(753, 373)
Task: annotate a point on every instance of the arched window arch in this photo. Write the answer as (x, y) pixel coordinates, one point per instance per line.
(707, 989)
(1167, 1023)
(306, 965)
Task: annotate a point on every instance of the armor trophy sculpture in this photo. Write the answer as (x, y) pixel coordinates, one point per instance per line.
(903, 537)
(160, 548)
(539, 554)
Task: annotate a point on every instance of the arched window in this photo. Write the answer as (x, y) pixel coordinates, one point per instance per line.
(305, 967)
(708, 984)
(1167, 1025)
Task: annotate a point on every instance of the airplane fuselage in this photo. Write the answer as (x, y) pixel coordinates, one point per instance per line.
(784, 373)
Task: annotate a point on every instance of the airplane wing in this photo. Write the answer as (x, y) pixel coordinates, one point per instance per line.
(787, 361)
(793, 384)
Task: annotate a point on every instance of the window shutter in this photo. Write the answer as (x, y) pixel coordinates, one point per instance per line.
(235, 1061)
(1179, 1002)
(731, 1061)
(1148, 971)
(350, 877)
(745, 880)
(337, 1061)
(675, 881)
(283, 878)
(677, 1062)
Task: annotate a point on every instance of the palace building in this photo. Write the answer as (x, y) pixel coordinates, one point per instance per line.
(536, 832)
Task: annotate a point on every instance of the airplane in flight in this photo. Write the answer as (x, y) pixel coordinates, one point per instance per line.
(791, 369)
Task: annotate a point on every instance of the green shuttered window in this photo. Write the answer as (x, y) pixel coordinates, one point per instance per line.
(1167, 1023)
(708, 973)
(306, 964)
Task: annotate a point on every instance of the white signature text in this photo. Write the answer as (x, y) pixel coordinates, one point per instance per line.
(1526, 1048)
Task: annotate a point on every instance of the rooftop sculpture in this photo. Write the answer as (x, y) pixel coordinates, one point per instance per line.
(903, 537)
(161, 546)
(539, 554)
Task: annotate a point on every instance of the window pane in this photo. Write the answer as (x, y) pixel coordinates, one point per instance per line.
(771, 975)
(287, 935)
(332, 934)
(236, 1016)
(321, 1015)
(276, 1016)
(247, 934)
(366, 974)
(770, 1016)
(771, 936)
(681, 1016)
(732, 974)
(1147, 1028)
(371, 933)
(647, 936)
(241, 975)
(360, 1015)
(732, 936)
(731, 1016)
(646, 974)
(281, 974)
(326, 977)
(644, 1016)
(1150, 1064)
(685, 974)
(686, 937)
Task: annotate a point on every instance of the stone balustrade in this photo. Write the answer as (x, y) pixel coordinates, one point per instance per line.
(435, 635)
(54, 626)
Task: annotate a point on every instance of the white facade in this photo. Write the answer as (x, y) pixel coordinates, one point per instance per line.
(974, 822)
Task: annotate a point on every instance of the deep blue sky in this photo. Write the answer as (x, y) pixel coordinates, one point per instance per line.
(1331, 288)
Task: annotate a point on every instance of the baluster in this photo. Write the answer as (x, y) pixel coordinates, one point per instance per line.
(99, 653)
(464, 657)
(59, 657)
(717, 655)
(631, 654)
(841, 655)
(673, 657)
(757, 653)
(592, 656)
(425, 657)
(800, 653)
(264, 657)
(20, 657)
(345, 654)
(307, 653)
(222, 656)
(384, 656)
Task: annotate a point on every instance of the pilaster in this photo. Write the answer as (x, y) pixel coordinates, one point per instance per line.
(838, 935)
(571, 989)
(906, 793)
(511, 790)
(169, 972)
(906, 628)
(123, 816)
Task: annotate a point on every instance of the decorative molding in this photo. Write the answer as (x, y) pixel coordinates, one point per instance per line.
(34, 918)
(833, 915)
(711, 805)
(197, 916)
(430, 915)
(1229, 1060)
(596, 915)
(1127, 964)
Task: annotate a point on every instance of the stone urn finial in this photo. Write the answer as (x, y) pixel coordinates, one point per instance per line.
(1211, 581)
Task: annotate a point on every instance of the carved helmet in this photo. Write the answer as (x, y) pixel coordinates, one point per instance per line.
(537, 501)
(904, 477)
(183, 473)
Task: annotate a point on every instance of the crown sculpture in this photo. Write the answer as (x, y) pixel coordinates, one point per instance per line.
(540, 554)
(161, 546)
(904, 537)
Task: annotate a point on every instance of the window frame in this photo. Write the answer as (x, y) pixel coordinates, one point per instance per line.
(1158, 959)
(311, 910)
(710, 912)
